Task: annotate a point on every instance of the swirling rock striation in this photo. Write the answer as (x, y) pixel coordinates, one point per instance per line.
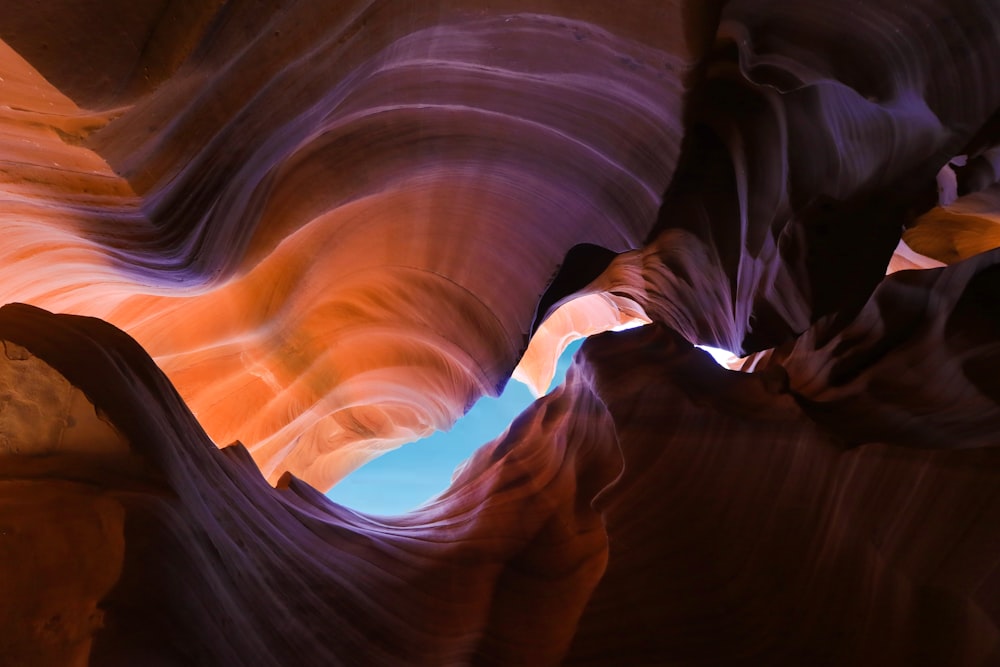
(600, 527)
(402, 179)
(273, 576)
(324, 229)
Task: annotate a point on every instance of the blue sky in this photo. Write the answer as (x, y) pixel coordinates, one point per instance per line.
(405, 478)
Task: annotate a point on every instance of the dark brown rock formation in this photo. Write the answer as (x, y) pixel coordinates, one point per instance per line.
(324, 229)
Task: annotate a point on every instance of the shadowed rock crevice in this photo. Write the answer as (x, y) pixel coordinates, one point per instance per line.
(321, 230)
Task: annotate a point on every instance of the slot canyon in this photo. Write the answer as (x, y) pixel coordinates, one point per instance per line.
(250, 245)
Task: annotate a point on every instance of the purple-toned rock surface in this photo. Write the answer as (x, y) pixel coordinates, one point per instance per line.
(320, 230)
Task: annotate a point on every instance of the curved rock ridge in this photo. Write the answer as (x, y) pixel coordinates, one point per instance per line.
(742, 532)
(869, 380)
(324, 229)
(799, 162)
(378, 137)
(602, 526)
(273, 576)
(402, 183)
(576, 318)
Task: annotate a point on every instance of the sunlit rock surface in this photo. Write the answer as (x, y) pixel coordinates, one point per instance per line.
(348, 214)
(321, 230)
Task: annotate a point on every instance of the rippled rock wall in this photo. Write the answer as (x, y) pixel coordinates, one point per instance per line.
(321, 230)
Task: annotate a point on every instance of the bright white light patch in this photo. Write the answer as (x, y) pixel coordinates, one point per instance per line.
(631, 324)
(722, 357)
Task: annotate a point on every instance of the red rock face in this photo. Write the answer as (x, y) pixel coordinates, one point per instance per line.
(325, 229)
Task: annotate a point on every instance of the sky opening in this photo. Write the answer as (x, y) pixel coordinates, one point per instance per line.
(405, 478)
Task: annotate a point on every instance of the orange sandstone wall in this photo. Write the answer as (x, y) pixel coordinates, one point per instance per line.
(320, 230)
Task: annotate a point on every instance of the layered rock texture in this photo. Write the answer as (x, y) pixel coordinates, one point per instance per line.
(249, 246)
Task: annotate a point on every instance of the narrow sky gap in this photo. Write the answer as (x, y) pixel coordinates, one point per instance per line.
(405, 478)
